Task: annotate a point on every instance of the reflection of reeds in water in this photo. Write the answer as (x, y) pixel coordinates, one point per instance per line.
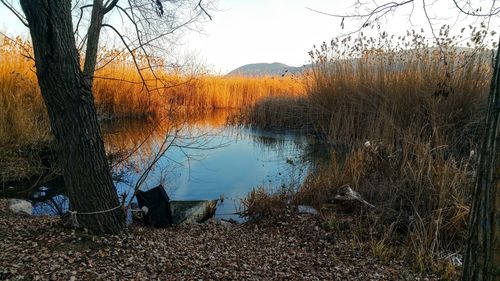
(125, 133)
(135, 142)
(280, 143)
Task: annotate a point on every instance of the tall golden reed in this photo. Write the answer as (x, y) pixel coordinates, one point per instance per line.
(120, 92)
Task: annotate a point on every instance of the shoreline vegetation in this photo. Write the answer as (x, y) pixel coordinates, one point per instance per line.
(409, 114)
(411, 119)
(120, 93)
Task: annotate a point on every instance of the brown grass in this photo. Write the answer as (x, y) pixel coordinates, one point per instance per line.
(116, 98)
(23, 118)
(421, 111)
(120, 93)
(260, 204)
(421, 198)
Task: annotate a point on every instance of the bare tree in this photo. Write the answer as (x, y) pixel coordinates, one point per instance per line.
(482, 256)
(66, 86)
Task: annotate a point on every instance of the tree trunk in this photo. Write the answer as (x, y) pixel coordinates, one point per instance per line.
(70, 104)
(482, 257)
(93, 41)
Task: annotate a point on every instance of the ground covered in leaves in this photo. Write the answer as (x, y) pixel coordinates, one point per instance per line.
(296, 248)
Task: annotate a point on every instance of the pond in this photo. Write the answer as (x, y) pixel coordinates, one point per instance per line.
(205, 159)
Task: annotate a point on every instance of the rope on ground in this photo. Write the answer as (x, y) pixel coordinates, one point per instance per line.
(74, 215)
(230, 214)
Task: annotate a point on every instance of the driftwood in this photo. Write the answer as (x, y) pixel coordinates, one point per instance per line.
(350, 201)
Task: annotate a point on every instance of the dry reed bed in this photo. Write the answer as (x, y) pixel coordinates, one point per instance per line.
(412, 119)
(120, 92)
(200, 92)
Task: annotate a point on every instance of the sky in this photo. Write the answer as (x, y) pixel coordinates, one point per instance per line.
(256, 31)
(263, 31)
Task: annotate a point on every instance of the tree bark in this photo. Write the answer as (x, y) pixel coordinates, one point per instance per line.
(482, 257)
(70, 104)
(93, 40)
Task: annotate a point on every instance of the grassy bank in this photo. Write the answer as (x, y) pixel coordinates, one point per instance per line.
(411, 117)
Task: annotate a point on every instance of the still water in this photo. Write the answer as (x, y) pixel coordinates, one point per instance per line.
(203, 159)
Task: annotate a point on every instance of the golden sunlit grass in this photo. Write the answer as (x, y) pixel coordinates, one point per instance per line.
(120, 93)
(23, 118)
(201, 93)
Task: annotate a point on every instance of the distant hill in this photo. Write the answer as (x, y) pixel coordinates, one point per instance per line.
(265, 69)
(281, 69)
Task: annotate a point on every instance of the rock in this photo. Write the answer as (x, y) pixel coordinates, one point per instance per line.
(19, 206)
(182, 212)
(155, 208)
(225, 223)
(350, 200)
(304, 209)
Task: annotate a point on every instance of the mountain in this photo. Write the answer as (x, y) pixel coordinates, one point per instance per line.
(264, 69)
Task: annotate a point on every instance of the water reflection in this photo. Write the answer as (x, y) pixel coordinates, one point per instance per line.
(204, 160)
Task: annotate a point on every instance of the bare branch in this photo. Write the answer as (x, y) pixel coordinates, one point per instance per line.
(384, 8)
(15, 12)
(204, 11)
(110, 4)
(130, 52)
(492, 12)
(27, 53)
(81, 16)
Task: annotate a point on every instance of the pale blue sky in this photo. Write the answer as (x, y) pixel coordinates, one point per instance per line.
(284, 31)
(264, 31)
(244, 31)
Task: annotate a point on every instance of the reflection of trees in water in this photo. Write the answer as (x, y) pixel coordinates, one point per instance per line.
(138, 146)
(131, 145)
(319, 154)
(54, 206)
(135, 146)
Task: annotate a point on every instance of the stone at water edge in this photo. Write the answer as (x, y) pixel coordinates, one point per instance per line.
(19, 206)
(304, 209)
